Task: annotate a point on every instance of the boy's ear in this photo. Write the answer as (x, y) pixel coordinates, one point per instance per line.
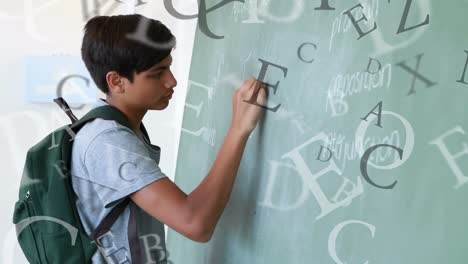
(115, 82)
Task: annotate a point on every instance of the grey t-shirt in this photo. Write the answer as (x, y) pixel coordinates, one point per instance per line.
(109, 162)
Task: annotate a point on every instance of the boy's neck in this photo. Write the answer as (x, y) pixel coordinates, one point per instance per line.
(134, 116)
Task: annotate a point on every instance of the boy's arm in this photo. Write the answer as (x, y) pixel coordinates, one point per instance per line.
(196, 215)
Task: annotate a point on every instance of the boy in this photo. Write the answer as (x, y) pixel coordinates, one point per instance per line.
(111, 162)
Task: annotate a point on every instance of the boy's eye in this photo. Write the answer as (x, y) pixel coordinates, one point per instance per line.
(157, 75)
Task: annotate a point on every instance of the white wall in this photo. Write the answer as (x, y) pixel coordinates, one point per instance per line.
(55, 27)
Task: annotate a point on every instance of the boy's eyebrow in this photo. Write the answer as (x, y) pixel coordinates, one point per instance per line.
(161, 67)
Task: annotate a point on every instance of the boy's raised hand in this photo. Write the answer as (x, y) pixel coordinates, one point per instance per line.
(245, 115)
(196, 215)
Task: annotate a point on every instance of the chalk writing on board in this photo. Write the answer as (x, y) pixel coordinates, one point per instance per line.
(347, 191)
(382, 47)
(300, 54)
(196, 108)
(231, 79)
(416, 74)
(408, 145)
(336, 232)
(261, 78)
(320, 155)
(452, 157)
(344, 85)
(369, 65)
(258, 8)
(342, 23)
(207, 134)
(347, 150)
(325, 5)
(338, 106)
(356, 22)
(462, 79)
(308, 184)
(401, 28)
(202, 15)
(365, 159)
(310, 181)
(208, 89)
(300, 124)
(254, 8)
(298, 120)
(378, 114)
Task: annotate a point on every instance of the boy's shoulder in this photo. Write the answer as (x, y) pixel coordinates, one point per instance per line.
(101, 154)
(100, 132)
(98, 126)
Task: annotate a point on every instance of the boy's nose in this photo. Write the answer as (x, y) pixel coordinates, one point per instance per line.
(171, 82)
(170, 85)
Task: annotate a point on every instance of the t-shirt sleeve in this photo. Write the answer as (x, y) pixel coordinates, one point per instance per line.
(119, 164)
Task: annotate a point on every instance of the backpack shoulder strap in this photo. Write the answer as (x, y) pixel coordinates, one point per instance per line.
(64, 106)
(109, 220)
(106, 112)
(145, 133)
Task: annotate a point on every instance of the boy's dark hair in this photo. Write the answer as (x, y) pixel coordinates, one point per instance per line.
(116, 43)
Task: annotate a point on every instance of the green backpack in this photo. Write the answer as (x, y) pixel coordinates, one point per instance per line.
(48, 226)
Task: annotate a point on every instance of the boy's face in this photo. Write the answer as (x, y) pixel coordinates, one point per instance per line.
(152, 89)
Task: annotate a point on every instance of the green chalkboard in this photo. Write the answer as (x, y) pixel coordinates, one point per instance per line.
(364, 159)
